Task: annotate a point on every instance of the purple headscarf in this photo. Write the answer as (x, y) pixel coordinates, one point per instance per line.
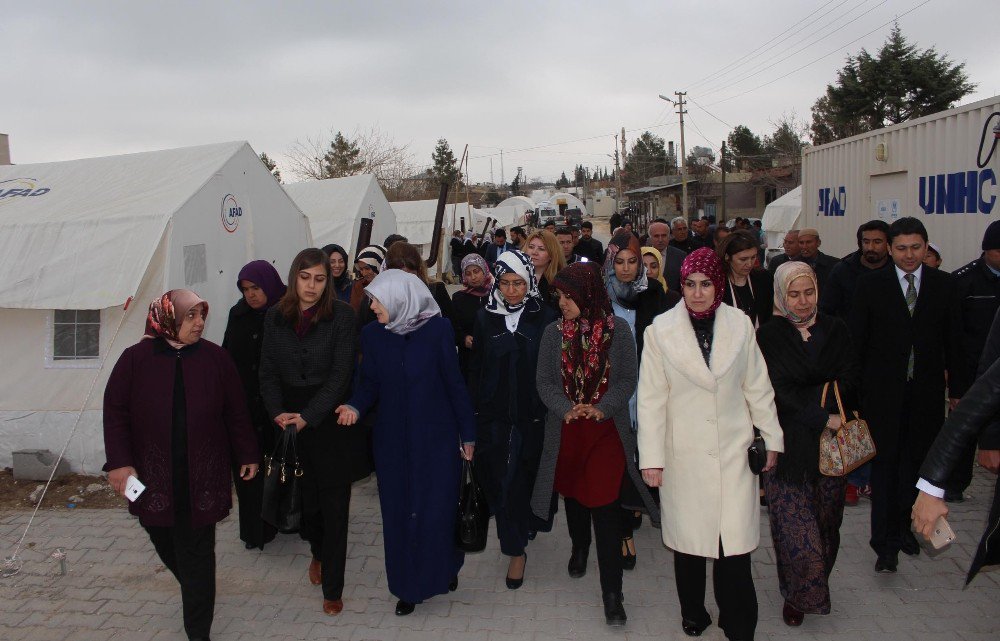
(263, 274)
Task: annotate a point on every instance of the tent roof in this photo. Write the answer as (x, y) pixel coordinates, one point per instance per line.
(79, 234)
(783, 213)
(415, 218)
(333, 205)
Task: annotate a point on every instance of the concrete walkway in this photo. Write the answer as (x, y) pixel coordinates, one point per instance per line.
(116, 588)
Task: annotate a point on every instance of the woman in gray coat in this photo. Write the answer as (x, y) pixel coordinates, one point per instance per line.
(587, 372)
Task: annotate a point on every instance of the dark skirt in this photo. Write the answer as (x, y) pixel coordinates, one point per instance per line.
(805, 526)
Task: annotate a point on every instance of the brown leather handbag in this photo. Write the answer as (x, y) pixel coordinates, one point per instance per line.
(847, 449)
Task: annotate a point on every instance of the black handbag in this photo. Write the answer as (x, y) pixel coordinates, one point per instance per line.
(757, 453)
(473, 521)
(282, 501)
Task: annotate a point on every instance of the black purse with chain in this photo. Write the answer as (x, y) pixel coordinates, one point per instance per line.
(282, 501)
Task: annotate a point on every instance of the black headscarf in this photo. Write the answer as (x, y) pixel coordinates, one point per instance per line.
(342, 282)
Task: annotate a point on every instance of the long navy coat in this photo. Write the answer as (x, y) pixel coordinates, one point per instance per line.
(424, 415)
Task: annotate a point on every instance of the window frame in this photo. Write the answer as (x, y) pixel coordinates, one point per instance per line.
(88, 362)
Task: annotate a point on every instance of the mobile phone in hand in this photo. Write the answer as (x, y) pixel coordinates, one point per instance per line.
(942, 535)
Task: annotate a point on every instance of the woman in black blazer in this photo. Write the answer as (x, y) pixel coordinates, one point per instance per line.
(748, 288)
(305, 372)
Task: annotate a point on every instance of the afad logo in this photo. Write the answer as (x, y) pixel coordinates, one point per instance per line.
(231, 213)
(832, 203)
(25, 187)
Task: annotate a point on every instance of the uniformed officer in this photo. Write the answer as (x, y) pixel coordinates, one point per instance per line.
(979, 287)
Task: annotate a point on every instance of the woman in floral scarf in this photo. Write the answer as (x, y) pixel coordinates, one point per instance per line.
(587, 372)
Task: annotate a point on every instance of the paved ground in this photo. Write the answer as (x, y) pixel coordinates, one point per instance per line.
(116, 589)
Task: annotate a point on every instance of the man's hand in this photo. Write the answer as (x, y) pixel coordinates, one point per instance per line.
(990, 459)
(926, 511)
(653, 476)
(119, 476)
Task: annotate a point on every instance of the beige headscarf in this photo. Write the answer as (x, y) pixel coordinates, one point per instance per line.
(655, 253)
(783, 277)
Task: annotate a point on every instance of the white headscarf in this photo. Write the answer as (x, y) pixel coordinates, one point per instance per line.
(407, 299)
(513, 261)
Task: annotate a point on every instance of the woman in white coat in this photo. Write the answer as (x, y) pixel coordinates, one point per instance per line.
(703, 386)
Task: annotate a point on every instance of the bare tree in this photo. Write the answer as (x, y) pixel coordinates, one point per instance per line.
(391, 164)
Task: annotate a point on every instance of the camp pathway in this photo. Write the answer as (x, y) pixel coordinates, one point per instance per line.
(116, 589)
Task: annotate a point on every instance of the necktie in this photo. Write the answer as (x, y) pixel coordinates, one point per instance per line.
(911, 304)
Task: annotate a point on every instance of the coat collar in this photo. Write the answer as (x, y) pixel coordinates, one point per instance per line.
(681, 346)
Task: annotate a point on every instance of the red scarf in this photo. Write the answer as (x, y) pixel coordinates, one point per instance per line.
(586, 340)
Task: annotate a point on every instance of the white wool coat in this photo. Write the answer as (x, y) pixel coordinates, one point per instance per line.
(696, 422)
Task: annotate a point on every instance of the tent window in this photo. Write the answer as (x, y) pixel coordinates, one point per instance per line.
(195, 265)
(76, 334)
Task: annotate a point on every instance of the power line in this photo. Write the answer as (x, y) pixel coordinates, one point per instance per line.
(826, 55)
(771, 62)
(739, 61)
(710, 113)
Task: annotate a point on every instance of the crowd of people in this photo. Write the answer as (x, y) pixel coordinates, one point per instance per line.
(629, 380)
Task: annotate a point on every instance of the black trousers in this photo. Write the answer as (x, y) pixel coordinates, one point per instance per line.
(324, 526)
(189, 554)
(734, 591)
(607, 520)
(894, 477)
(250, 494)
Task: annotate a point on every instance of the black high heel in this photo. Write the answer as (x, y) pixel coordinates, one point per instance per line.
(513, 584)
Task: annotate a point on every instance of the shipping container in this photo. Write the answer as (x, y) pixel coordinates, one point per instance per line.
(928, 168)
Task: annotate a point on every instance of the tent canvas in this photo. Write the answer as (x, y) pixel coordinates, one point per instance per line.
(336, 206)
(79, 238)
(780, 216)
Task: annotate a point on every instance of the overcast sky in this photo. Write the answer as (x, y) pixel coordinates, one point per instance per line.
(98, 78)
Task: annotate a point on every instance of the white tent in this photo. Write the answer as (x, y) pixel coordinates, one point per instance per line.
(336, 206)
(521, 204)
(781, 216)
(79, 239)
(415, 221)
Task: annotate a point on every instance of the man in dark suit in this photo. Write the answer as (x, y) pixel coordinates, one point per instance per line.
(904, 322)
(659, 239)
(497, 247)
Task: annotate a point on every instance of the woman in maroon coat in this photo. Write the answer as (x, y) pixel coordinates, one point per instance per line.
(175, 417)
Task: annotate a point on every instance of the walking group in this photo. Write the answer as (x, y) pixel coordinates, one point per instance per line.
(635, 382)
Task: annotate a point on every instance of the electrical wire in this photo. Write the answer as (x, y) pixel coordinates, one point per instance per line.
(709, 112)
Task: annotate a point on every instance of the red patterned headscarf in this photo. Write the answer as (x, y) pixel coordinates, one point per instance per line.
(586, 340)
(705, 261)
(167, 312)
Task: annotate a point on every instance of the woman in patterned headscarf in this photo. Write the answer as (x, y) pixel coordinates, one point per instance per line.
(366, 267)
(587, 371)
(411, 370)
(478, 281)
(703, 386)
(509, 412)
(175, 420)
(804, 349)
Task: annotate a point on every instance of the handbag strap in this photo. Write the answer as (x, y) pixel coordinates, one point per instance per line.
(836, 394)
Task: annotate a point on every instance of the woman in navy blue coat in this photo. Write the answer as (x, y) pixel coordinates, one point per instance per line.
(424, 424)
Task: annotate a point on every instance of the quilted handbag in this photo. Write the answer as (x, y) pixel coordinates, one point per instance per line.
(847, 449)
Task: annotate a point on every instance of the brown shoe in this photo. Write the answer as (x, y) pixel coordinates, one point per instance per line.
(791, 615)
(333, 608)
(316, 573)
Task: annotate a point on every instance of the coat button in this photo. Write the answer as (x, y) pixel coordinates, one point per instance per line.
(413, 516)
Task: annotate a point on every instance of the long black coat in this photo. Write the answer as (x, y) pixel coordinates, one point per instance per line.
(798, 380)
(243, 340)
(464, 308)
(762, 284)
(883, 333)
(648, 305)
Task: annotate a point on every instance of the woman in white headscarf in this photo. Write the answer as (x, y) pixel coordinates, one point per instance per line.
(509, 412)
(425, 422)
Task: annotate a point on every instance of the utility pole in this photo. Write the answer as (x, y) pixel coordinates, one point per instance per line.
(618, 174)
(722, 213)
(491, 172)
(501, 168)
(679, 103)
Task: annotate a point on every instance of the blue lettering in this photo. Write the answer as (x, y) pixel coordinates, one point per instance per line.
(960, 192)
(824, 201)
(927, 194)
(986, 206)
(39, 192)
(942, 194)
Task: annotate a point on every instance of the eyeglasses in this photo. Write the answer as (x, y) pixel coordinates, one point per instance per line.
(512, 284)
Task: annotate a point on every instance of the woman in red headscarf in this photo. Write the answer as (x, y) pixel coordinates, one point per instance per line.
(175, 418)
(587, 372)
(703, 386)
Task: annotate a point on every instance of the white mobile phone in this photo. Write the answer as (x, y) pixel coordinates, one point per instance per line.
(942, 535)
(133, 488)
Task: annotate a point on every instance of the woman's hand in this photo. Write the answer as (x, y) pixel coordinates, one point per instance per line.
(591, 412)
(926, 511)
(653, 476)
(119, 476)
(468, 342)
(297, 422)
(247, 472)
(281, 420)
(772, 461)
(467, 450)
(834, 423)
(346, 415)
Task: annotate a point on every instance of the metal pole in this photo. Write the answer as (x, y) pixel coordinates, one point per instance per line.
(722, 213)
(684, 185)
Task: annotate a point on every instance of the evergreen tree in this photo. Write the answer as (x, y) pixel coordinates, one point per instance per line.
(579, 176)
(445, 165)
(562, 181)
(271, 166)
(515, 186)
(343, 158)
(898, 83)
(747, 149)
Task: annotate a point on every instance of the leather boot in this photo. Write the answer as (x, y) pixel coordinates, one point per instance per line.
(614, 610)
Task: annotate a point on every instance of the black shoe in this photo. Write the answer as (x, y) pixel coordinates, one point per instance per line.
(513, 584)
(909, 546)
(249, 546)
(628, 557)
(614, 611)
(695, 628)
(404, 607)
(453, 585)
(887, 563)
(578, 562)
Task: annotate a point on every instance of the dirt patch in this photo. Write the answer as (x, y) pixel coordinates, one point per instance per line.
(16, 495)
